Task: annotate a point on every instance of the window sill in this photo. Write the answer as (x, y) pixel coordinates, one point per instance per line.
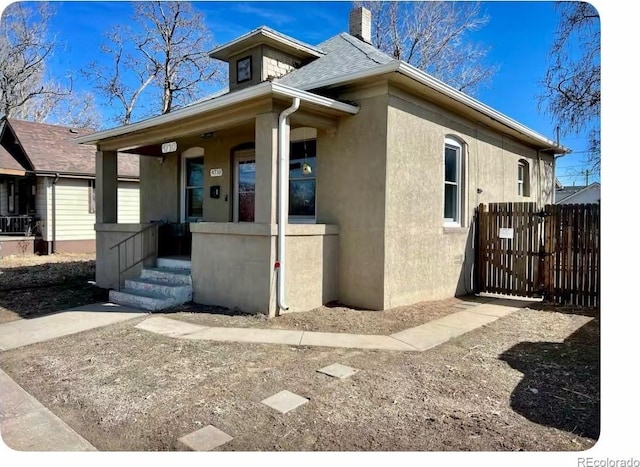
(454, 229)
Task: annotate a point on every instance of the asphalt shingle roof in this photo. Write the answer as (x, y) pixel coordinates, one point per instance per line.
(567, 191)
(345, 54)
(7, 161)
(51, 148)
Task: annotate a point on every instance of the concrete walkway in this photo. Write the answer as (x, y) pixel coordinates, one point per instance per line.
(30, 331)
(27, 425)
(417, 339)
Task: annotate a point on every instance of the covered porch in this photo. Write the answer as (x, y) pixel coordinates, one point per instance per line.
(209, 191)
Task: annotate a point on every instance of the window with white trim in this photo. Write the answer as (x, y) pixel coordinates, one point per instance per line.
(453, 182)
(523, 178)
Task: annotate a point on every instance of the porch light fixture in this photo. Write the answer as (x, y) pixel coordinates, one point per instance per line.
(306, 169)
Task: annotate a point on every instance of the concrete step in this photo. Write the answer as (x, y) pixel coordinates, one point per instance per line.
(141, 299)
(181, 292)
(168, 275)
(174, 263)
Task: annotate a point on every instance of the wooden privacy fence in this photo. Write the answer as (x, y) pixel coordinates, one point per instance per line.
(552, 252)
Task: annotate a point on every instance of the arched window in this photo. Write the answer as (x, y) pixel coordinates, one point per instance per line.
(453, 182)
(523, 178)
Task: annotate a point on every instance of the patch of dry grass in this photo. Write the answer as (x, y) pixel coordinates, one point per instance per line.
(33, 285)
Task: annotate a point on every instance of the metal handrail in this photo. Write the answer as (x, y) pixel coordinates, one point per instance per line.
(149, 249)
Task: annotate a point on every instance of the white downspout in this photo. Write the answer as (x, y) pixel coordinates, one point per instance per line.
(283, 212)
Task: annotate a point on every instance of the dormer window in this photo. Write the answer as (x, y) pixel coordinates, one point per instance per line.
(263, 55)
(244, 69)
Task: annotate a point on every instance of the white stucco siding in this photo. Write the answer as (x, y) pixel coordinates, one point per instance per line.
(128, 203)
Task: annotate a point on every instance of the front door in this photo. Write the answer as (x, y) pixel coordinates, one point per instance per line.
(244, 200)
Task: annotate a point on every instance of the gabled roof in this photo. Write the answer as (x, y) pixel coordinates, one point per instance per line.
(567, 193)
(51, 149)
(8, 165)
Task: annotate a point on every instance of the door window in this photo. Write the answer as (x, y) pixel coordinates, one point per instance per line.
(245, 189)
(194, 178)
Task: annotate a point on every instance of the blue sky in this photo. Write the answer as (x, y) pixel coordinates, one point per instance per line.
(518, 34)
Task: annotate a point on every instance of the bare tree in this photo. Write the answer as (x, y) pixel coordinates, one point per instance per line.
(432, 36)
(24, 47)
(25, 90)
(572, 82)
(165, 59)
(124, 78)
(76, 110)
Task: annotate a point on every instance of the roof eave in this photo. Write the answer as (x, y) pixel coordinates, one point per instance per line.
(233, 47)
(259, 90)
(415, 74)
(81, 175)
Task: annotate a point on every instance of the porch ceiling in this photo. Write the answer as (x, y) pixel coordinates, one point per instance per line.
(229, 111)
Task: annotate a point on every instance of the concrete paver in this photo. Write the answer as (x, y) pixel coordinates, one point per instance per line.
(205, 439)
(338, 370)
(285, 401)
(30, 331)
(27, 425)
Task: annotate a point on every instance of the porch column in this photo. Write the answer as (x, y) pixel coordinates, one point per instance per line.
(106, 187)
(266, 140)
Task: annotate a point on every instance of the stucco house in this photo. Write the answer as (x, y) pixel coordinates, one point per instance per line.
(324, 173)
(47, 189)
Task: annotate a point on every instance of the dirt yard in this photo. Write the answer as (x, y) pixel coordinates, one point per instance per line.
(529, 381)
(33, 285)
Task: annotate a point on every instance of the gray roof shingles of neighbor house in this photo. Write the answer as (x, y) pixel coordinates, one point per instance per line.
(52, 149)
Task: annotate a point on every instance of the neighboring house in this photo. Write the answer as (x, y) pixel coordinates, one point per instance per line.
(578, 194)
(325, 173)
(47, 189)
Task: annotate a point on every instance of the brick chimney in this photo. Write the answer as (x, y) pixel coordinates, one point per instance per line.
(360, 24)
